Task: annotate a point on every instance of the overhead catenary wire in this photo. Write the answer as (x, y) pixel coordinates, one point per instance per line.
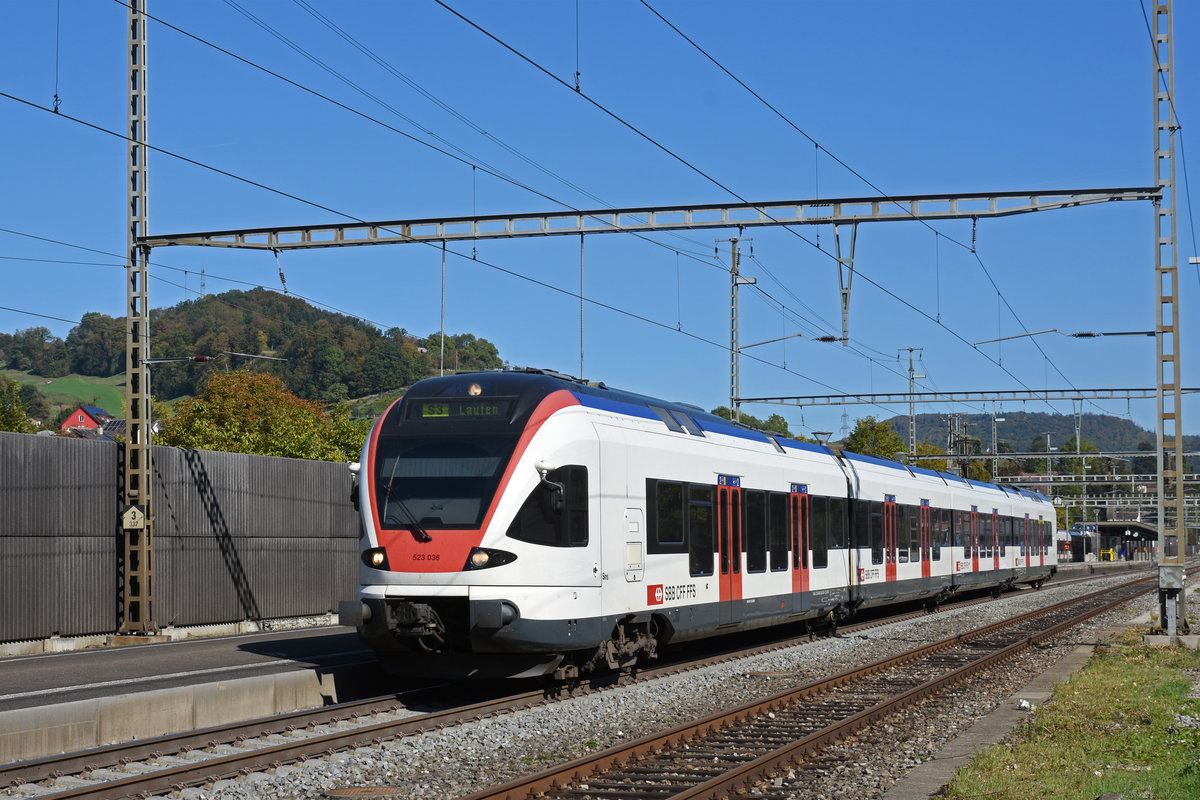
(856, 173)
(630, 126)
(352, 217)
(463, 156)
(819, 148)
(818, 248)
(1187, 189)
(511, 273)
(553, 77)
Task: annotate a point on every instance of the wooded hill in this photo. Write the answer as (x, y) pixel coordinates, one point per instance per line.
(330, 357)
(1025, 432)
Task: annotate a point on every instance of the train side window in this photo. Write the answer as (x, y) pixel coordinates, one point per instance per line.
(862, 524)
(913, 533)
(941, 532)
(545, 520)
(700, 529)
(819, 532)
(935, 534)
(576, 512)
(755, 532)
(664, 516)
(903, 515)
(962, 532)
(876, 532)
(778, 536)
(837, 521)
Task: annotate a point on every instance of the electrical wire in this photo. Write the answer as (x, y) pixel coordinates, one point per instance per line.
(463, 160)
(631, 127)
(882, 194)
(552, 76)
(860, 176)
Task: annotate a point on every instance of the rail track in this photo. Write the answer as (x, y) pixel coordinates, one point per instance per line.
(203, 757)
(752, 745)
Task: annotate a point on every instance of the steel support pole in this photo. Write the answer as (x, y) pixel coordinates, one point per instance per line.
(1172, 530)
(137, 517)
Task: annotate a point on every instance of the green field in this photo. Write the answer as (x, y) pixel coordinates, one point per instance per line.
(73, 390)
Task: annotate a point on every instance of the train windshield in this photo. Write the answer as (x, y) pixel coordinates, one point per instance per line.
(438, 482)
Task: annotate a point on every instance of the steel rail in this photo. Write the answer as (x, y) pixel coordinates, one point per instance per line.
(38, 769)
(232, 766)
(761, 768)
(583, 769)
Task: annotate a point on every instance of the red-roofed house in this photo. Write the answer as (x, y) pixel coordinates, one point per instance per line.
(86, 417)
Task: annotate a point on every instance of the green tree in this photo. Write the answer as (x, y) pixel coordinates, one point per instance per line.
(96, 346)
(253, 412)
(976, 471)
(349, 433)
(874, 438)
(927, 449)
(13, 416)
(772, 424)
(36, 404)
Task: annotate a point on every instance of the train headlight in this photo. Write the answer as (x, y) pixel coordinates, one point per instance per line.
(484, 557)
(375, 558)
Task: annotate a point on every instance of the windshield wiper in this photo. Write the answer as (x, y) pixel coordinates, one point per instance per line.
(414, 527)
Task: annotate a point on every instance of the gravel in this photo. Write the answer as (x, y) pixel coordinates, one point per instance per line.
(466, 758)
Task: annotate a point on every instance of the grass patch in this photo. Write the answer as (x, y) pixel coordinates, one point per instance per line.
(70, 391)
(1128, 724)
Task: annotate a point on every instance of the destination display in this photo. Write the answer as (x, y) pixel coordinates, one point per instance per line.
(461, 409)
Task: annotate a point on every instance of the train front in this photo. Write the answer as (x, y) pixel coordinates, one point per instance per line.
(475, 557)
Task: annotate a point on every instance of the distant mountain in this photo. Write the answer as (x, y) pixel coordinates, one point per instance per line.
(330, 357)
(1023, 431)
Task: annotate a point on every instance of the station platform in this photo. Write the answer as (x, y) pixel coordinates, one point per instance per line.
(58, 702)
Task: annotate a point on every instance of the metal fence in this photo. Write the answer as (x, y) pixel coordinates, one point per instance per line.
(236, 537)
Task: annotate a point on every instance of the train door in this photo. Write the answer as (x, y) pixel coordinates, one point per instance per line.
(889, 536)
(974, 538)
(926, 560)
(1026, 542)
(729, 547)
(799, 529)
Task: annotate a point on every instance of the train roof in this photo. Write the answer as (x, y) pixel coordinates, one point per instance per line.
(678, 416)
(675, 415)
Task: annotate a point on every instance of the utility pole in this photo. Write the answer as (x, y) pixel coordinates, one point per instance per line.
(735, 280)
(912, 412)
(1172, 527)
(137, 516)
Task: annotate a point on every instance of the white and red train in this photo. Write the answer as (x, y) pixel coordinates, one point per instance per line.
(523, 523)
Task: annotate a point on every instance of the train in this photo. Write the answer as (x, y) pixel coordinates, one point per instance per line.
(524, 523)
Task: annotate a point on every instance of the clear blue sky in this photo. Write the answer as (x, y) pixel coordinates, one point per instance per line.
(924, 97)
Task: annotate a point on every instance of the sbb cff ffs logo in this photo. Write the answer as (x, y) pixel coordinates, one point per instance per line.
(654, 595)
